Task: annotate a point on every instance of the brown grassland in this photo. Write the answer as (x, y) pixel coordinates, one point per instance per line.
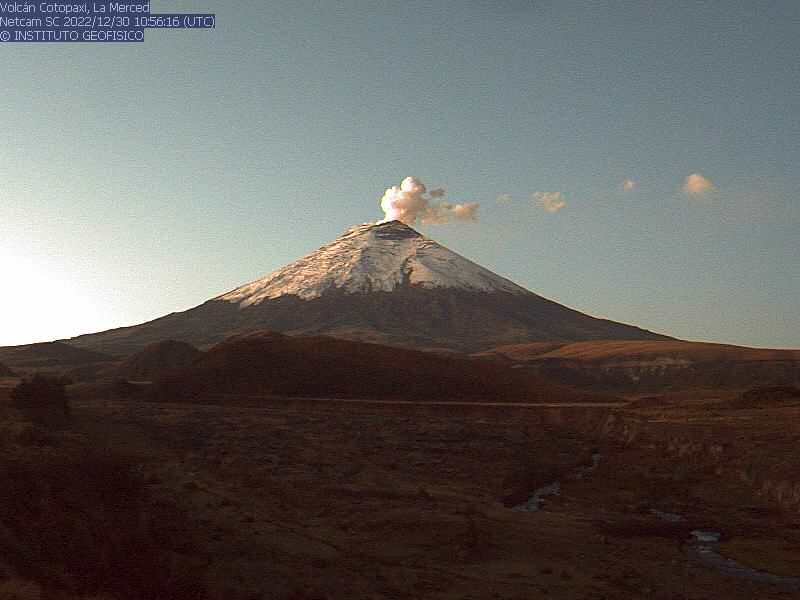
(292, 468)
(324, 499)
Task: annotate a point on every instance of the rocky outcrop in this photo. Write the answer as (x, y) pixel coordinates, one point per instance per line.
(766, 396)
(728, 455)
(669, 375)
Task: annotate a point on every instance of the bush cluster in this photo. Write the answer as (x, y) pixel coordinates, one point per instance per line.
(42, 398)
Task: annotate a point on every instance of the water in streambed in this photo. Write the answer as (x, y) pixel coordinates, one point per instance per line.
(704, 548)
(535, 502)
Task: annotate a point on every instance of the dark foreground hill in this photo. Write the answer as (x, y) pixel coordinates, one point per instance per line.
(273, 364)
(156, 359)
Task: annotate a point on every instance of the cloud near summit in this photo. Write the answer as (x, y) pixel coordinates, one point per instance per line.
(411, 202)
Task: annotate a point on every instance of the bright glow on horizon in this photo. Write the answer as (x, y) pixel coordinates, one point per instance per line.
(40, 302)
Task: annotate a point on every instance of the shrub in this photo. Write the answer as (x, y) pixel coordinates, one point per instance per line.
(42, 398)
(122, 388)
(19, 589)
(81, 521)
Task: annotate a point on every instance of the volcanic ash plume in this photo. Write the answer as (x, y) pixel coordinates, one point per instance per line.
(411, 202)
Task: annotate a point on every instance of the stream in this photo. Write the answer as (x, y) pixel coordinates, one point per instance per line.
(703, 547)
(536, 501)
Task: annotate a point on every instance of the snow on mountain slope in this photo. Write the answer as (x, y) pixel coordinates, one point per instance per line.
(383, 283)
(372, 258)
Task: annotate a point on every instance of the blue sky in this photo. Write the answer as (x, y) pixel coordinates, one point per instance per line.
(146, 178)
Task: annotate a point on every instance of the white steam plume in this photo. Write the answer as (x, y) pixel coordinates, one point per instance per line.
(410, 202)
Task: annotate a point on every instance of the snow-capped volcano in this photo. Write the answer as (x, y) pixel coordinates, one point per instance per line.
(373, 258)
(382, 283)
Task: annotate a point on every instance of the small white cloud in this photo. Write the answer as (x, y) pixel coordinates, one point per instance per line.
(697, 185)
(442, 213)
(629, 185)
(504, 199)
(551, 202)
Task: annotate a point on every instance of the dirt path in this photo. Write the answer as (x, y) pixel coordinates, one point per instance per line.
(432, 402)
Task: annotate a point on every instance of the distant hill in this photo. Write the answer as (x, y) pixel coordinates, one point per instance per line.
(653, 364)
(157, 358)
(275, 364)
(606, 350)
(50, 354)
